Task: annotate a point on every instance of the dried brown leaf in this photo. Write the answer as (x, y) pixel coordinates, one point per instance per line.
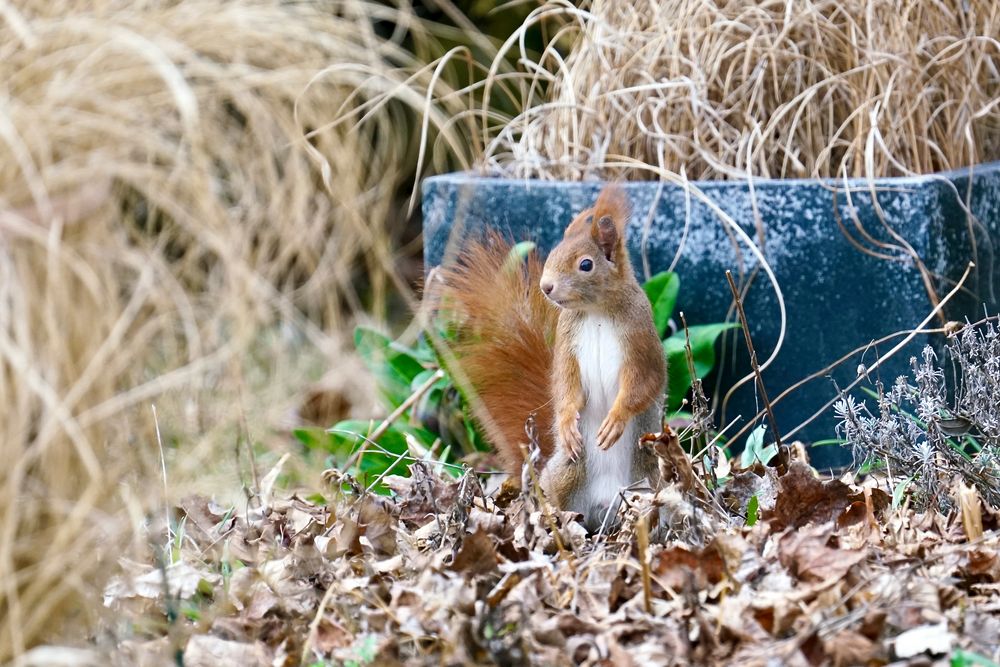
(331, 635)
(803, 498)
(422, 495)
(984, 564)
(476, 556)
(209, 651)
(370, 527)
(204, 515)
(848, 648)
(745, 484)
(182, 581)
(678, 566)
(674, 463)
(806, 554)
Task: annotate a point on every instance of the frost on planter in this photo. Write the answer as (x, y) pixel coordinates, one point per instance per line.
(856, 260)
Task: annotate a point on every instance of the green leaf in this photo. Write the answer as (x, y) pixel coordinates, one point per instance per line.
(366, 648)
(703, 337)
(393, 365)
(423, 351)
(899, 490)
(423, 376)
(311, 438)
(522, 250)
(752, 508)
(828, 442)
(754, 449)
(515, 258)
(869, 465)
(316, 498)
(662, 290)
(962, 658)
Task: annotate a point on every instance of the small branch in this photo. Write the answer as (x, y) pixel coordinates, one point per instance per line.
(700, 414)
(314, 624)
(753, 363)
(166, 500)
(530, 484)
(896, 348)
(642, 534)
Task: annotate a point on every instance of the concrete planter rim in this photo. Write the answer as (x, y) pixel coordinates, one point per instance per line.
(855, 183)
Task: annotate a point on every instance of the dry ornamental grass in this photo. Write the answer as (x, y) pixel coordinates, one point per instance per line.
(774, 89)
(169, 235)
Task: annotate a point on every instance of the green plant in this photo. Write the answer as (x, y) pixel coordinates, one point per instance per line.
(755, 450)
(663, 290)
(753, 507)
(431, 417)
(960, 658)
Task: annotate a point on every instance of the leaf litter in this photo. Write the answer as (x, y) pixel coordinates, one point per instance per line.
(441, 572)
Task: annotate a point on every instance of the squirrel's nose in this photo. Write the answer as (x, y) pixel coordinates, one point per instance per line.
(547, 287)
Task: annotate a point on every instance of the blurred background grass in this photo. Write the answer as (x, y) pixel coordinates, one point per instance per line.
(185, 224)
(199, 199)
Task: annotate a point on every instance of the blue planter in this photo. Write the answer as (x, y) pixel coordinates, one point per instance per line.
(837, 297)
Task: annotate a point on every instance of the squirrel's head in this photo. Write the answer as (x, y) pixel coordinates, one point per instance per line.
(591, 259)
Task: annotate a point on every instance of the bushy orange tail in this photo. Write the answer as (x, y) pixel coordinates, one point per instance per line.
(504, 330)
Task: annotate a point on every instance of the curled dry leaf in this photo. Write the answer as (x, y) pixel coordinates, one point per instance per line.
(182, 581)
(331, 635)
(476, 556)
(674, 463)
(759, 481)
(679, 567)
(369, 526)
(203, 515)
(806, 554)
(803, 498)
(422, 495)
(848, 648)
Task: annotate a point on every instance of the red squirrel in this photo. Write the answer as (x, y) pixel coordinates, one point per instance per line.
(573, 344)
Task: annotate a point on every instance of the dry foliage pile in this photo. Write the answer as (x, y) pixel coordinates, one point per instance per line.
(169, 234)
(441, 574)
(812, 88)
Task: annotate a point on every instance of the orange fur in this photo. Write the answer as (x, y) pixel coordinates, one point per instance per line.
(505, 331)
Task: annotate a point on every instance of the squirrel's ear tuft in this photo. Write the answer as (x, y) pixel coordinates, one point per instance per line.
(606, 235)
(613, 203)
(610, 215)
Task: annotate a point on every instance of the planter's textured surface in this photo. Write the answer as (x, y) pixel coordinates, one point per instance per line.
(837, 296)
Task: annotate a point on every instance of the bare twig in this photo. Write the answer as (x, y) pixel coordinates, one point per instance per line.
(642, 534)
(888, 355)
(393, 416)
(754, 365)
(163, 467)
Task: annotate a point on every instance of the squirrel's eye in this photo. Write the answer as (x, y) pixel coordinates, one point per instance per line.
(586, 265)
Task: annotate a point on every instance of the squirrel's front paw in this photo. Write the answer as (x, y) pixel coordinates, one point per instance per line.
(611, 430)
(572, 439)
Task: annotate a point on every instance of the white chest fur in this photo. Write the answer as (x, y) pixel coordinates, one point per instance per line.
(599, 355)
